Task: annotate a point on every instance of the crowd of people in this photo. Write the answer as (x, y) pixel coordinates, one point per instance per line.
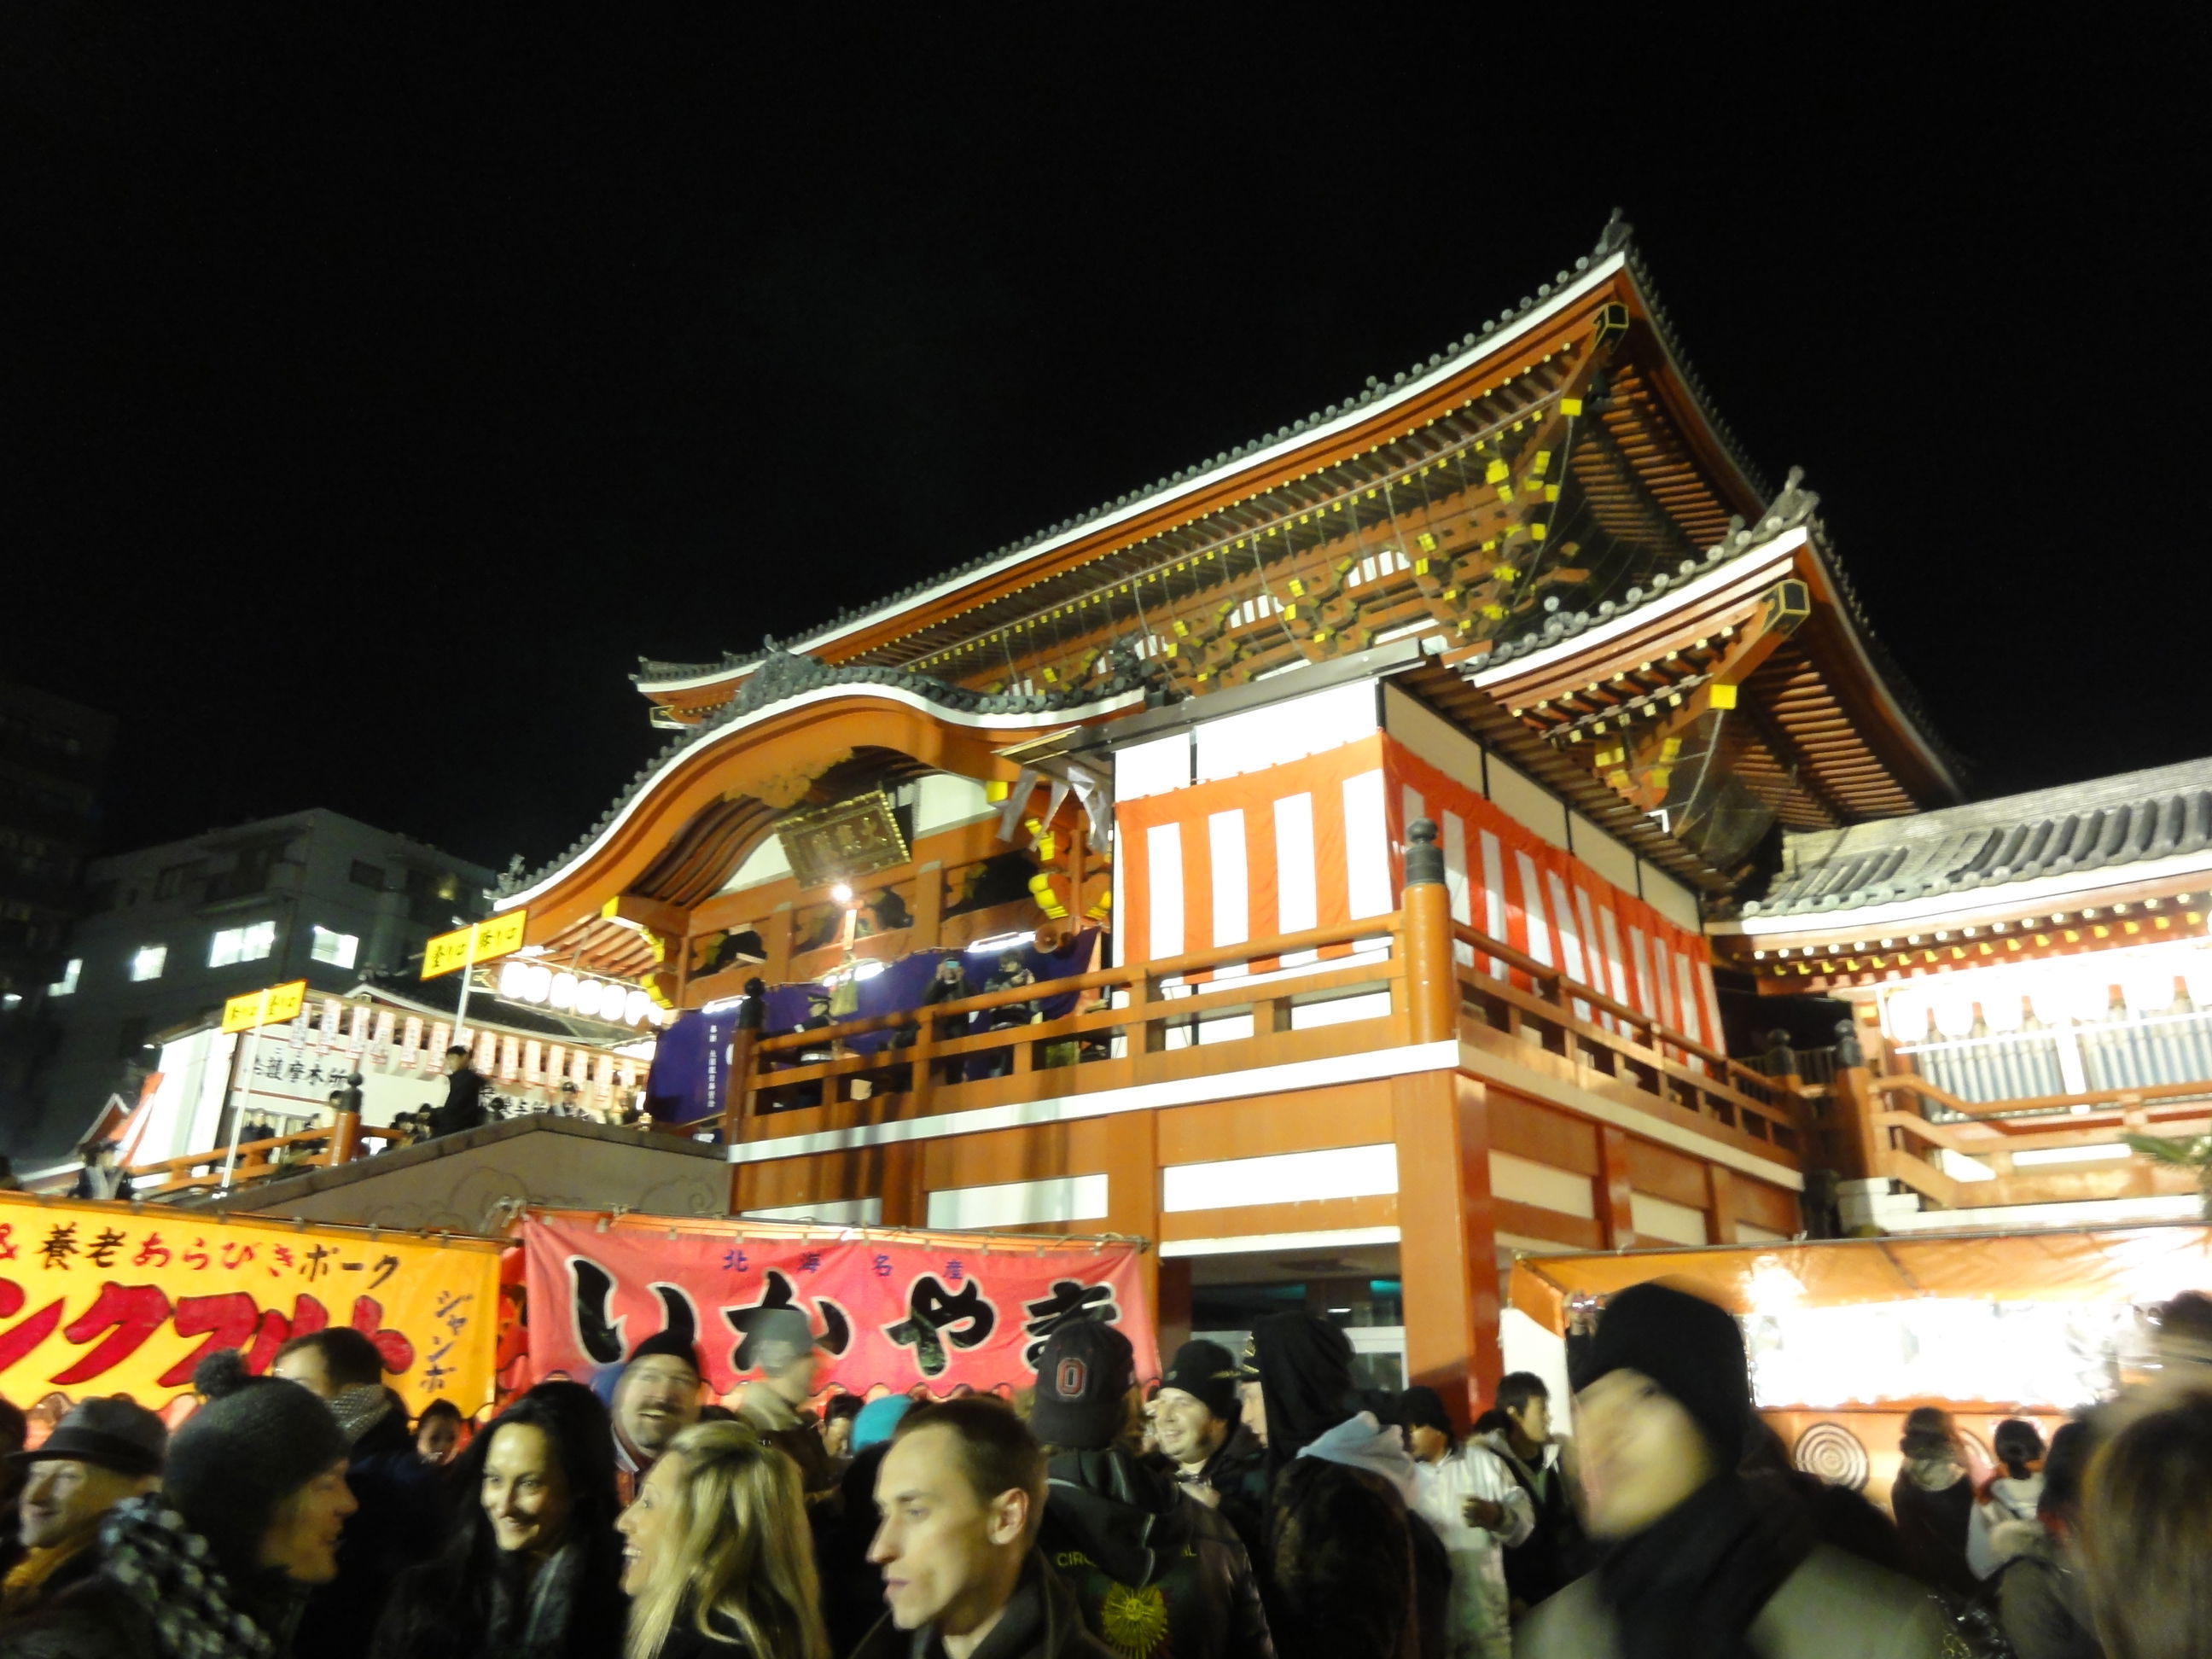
(1251, 1506)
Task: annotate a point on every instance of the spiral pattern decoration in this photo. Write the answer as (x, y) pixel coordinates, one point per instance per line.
(1833, 1452)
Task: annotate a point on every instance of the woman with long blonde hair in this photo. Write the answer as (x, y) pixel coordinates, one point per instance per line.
(717, 1557)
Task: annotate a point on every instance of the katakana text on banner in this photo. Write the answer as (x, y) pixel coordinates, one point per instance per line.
(925, 1310)
(97, 1300)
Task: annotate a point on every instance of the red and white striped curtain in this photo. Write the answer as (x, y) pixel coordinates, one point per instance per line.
(1318, 841)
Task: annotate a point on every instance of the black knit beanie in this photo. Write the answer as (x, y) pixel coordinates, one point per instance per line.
(1689, 1347)
(256, 1442)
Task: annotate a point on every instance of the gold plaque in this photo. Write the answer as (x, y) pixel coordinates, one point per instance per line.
(852, 839)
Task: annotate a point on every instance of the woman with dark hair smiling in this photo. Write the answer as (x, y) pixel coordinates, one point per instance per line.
(533, 1568)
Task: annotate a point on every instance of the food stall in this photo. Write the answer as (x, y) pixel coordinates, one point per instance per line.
(1847, 1336)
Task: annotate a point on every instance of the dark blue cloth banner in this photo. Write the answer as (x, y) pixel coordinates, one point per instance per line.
(905, 983)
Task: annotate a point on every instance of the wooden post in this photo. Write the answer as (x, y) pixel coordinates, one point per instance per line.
(738, 1089)
(1173, 1316)
(928, 906)
(345, 1138)
(1616, 1213)
(775, 944)
(1448, 1241)
(1720, 1204)
(1133, 1192)
(1431, 987)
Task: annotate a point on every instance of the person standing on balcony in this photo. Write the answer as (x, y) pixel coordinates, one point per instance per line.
(102, 1175)
(465, 1084)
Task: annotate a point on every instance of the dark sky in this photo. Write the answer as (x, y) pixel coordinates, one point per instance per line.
(370, 399)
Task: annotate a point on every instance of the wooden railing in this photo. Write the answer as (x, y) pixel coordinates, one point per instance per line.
(1130, 1024)
(257, 1160)
(1612, 1039)
(1909, 1142)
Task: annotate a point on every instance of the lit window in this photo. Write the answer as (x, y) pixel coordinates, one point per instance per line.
(335, 948)
(149, 962)
(66, 985)
(248, 943)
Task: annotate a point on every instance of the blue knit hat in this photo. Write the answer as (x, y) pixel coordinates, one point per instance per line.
(877, 1420)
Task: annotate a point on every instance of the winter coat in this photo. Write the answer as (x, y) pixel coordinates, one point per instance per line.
(2003, 1522)
(1237, 1472)
(779, 1426)
(1931, 1524)
(464, 1106)
(1042, 1621)
(1157, 1574)
(1832, 1606)
(440, 1610)
(1479, 1621)
(1340, 1546)
(158, 1596)
(2043, 1604)
(43, 1575)
(1554, 1554)
(686, 1641)
(399, 1524)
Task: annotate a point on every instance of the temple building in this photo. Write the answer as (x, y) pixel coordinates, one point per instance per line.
(1474, 821)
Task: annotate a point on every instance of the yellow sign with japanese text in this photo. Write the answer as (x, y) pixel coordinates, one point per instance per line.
(97, 1299)
(270, 1007)
(464, 947)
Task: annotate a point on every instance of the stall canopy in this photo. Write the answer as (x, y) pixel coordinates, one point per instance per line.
(887, 1307)
(2133, 1265)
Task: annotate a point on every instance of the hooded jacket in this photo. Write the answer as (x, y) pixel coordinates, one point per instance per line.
(1041, 1621)
(1157, 1574)
(1340, 1541)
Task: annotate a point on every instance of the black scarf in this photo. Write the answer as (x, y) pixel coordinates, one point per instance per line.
(1689, 1585)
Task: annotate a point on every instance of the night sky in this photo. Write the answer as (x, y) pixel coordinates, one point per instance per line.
(373, 397)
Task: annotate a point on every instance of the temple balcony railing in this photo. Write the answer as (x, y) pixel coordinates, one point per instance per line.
(2050, 1149)
(1317, 995)
(1269, 1003)
(1511, 1003)
(2021, 1070)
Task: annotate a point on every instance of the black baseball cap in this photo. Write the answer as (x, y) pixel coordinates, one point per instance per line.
(1084, 1374)
(113, 1433)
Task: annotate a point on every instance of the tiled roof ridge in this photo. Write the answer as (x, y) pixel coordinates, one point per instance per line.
(784, 674)
(1616, 238)
(2094, 824)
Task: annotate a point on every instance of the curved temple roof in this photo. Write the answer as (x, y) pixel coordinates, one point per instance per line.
(1616, 241)
(2111, 826)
